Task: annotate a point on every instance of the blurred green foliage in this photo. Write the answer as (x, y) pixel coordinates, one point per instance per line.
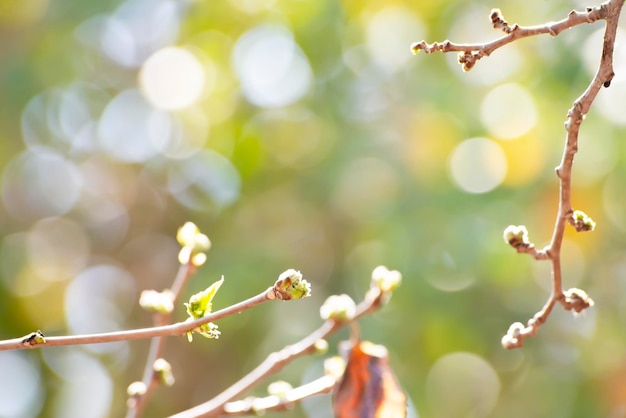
(303, 134)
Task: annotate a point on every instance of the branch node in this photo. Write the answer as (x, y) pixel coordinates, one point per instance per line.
(577, 300)
(581, 221)
(552, 31)
(33, 339)
(498, 22)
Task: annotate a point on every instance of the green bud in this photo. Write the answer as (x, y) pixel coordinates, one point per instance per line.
(321, 346)
(162, 302)
(136, 389)
(193, 242)
(279, 388)
(516, 236)
(386, 280)
(163, 369)
(290, 286)
(582, 222)
(186, 234)
(577, 299)
(34, 338)
(512, 338)
(338, 307)
(334, 366)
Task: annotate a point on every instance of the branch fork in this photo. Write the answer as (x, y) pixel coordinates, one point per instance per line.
(517, 236)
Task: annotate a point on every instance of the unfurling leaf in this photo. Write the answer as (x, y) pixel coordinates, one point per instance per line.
(200, 306)
(368, 388)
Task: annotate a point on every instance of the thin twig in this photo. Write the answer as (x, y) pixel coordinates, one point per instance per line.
(572, 299)
(277, 360)
(136, 404)
(258, 406)
(470, 53)
(177, 329)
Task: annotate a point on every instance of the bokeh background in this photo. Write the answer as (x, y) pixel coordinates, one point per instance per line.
(303, 134)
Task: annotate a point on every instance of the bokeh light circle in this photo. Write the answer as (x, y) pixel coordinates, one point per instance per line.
(99, 300)
(477, 165)
(172, 78)
(129, 127)
(58, 249)
(84, 387)
(462, 385)
(40, 183)
(388, 33)
(204, 181)
(21, 391)
(189, 133)
(271, 67)
(508, 111)
(137, 28)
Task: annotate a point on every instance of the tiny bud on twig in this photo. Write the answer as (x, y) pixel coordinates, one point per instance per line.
(136, 389)
(34, 338)
(290, 286)
(513, 337)
(163, 370)
(194, 245)
(516, 236)
(162, 302)
(279, 388)
(582, 222)
(577, 300)
(386, 280)
(338, 307)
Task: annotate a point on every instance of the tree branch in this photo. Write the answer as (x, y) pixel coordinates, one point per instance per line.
(258, 406)
(136, 404)
(177, 329)
(572, 299)
(470, 53)
(517, 236)
(277, 360)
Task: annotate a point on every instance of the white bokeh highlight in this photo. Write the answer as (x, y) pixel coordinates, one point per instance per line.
(462, 385)
(84, 388)
(129, 127)
(99, 300)
(137, 28)
(477, 165)
(508, 111)
(388, 33)
(172, 78)
(271, 67)
(40, 183)
(21, 391)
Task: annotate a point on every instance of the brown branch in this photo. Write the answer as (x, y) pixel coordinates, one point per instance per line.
(177, 329)
(277, 360)
(517, 236)
(258, 406)
(470, 53)
(137, 403)
(572, 299)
